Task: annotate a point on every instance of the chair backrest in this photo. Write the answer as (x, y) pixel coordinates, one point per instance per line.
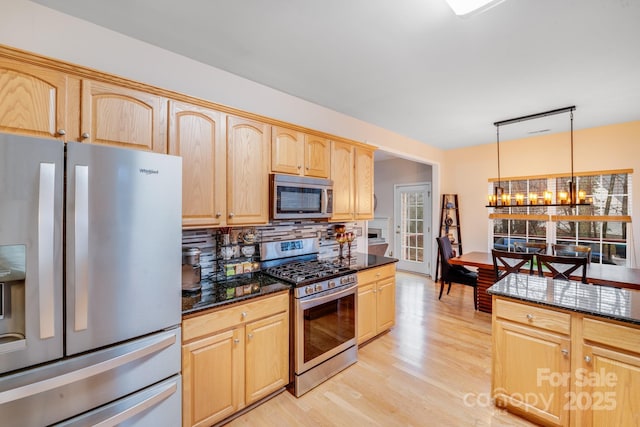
(510, 262)
(446, 253)
(561, 267)
(530, 247)
(572, 251)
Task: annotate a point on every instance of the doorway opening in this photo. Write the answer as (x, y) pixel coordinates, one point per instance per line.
(413, 219)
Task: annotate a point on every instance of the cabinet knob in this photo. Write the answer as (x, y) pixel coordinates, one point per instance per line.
(299, 167)
(307, 168)
(231, 214)
(244, 314)
(529, 316)
(62, 132)
(85, 135)
(236, 341)
(564, 352)
(587, 359)
(218, 214)
(249, 336)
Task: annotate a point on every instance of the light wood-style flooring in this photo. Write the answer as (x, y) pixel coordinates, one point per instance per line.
(432, 369)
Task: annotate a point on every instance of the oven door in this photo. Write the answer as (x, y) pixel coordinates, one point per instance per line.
(325, 325)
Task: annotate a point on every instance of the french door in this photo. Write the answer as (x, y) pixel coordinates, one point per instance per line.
(413, 227)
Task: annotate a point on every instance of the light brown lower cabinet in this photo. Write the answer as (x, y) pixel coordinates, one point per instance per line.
(376, 301)
(233, 357)
(561, 368)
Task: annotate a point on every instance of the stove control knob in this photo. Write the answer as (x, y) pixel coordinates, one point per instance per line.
(318, 288)
(332, 284)
(308, 290)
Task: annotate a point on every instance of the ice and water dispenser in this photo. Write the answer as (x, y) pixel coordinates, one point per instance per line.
(12, 297)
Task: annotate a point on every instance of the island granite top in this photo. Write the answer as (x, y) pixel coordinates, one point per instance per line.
(596, 300)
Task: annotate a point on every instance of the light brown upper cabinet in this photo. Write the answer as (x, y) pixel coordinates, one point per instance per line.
(123, 117)
(342, 174)
(33, 100)
(364, 183)
(352, 175)
(195, 134)
(247, 171)
(296, 153)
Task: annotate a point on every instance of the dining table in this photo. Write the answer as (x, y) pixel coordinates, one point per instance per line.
(597, 274)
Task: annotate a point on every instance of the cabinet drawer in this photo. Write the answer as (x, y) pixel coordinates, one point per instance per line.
(234, 315)
(543, 318)
(611, 334)
(374, 274)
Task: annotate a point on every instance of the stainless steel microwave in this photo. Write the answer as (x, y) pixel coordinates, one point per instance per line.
(298, 197)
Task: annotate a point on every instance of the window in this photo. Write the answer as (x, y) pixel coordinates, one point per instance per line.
(601, 226)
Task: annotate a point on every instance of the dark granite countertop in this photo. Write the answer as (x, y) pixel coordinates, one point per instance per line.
(603, 301)
(359, 261)
(216, 294)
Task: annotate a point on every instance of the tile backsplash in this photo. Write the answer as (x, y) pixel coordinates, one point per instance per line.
(206, 238)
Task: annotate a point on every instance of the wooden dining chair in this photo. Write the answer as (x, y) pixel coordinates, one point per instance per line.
(561, 267)
(572, 250)
(530, 247)
(455, 273)
(510, 262)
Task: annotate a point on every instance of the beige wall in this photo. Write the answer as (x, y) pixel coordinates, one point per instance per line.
(466, 171)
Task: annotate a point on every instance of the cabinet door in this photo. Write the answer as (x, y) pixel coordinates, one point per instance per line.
(531, 372)
(213, 378)
(386, 304)
(611, 391)
(195, 135)
(287, 151)
(247, 171)
(267, 356)
(364, 183)
(317, 153)
(342, 175)
(123, 117)
(33, 100)
(366, 312)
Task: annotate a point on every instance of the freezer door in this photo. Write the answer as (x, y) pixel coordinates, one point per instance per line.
(123, 244)
(31, 183)
(64, 389)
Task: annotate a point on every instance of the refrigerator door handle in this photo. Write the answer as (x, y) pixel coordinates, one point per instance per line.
(166, 391)
(46, 245)
(33, 388)
(81, 245)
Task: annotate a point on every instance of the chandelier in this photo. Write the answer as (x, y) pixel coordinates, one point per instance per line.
(572, 197)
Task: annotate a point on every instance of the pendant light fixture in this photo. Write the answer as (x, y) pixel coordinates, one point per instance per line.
(573, 197)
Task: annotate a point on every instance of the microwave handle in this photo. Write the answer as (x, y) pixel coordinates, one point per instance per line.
(327, 201)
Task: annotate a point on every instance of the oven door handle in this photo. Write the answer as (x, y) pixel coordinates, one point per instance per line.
(338, 293)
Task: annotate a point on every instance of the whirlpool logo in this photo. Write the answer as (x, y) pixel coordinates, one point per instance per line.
(149, 171)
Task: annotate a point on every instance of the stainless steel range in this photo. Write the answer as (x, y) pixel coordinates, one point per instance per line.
(324, 310)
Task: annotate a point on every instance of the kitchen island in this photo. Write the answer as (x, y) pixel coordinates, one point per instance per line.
(599, 274)
(566, 353)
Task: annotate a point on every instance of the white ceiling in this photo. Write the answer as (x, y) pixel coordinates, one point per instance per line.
(410, 66)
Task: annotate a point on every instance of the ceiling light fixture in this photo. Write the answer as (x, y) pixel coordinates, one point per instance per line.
(469, 7)
(573, 197)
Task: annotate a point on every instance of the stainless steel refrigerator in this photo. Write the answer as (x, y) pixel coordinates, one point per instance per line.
(90, 285)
